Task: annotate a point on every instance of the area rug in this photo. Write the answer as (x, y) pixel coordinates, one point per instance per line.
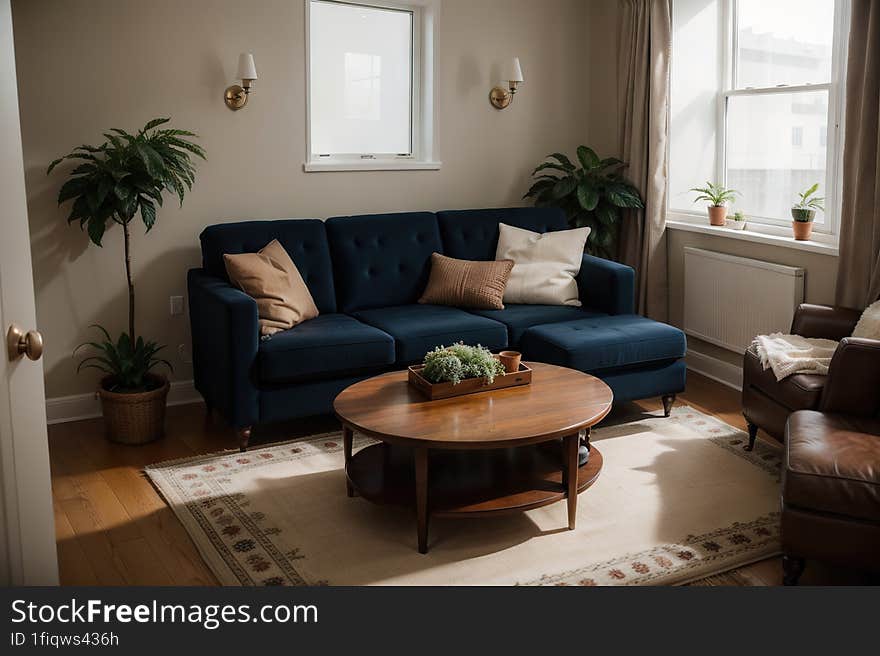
(678, 500)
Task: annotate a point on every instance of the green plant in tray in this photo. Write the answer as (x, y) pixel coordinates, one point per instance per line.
(455, 363)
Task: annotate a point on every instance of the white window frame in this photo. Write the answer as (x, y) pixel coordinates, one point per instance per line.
(425, 14)
(825, 232)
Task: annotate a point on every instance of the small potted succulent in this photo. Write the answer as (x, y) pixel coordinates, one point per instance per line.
(804, 212)
(718, 195)
(737, 221)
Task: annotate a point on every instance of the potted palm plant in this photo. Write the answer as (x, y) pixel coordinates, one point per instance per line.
(122, 178)
(804, 212)
(592, 194)
(718, 195)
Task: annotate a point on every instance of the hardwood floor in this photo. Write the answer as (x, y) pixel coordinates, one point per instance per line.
(113, 528)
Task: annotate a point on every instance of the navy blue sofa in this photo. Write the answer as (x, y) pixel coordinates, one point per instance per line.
(366, 274)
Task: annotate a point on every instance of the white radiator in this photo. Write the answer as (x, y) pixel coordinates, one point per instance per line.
(728, 299)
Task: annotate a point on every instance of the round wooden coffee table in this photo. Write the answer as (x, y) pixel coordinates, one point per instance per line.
(491, 452)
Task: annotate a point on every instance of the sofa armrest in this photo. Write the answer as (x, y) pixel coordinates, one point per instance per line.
(226, 338)
(824, 321)
(606, 286)
(853, 385)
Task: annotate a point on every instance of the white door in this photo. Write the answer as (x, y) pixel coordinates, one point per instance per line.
(27, 530)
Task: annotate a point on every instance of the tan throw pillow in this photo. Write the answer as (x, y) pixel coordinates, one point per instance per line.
(271, 278)
(546, 265)
(466, 283)
(869, 323)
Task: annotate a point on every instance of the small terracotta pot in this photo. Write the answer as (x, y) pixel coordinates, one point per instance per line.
(717, 215)
(802, 230)
(510, 360)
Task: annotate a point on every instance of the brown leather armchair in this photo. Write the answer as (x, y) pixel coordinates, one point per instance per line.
(831, 473)
(766, 402)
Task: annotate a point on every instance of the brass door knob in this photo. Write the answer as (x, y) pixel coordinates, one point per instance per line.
(19, 342)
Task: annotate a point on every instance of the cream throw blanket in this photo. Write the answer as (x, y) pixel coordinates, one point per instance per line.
(793, 354)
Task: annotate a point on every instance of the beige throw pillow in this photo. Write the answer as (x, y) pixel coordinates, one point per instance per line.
(466, 283)
(271, 278)
(869, 323)
(545, 264)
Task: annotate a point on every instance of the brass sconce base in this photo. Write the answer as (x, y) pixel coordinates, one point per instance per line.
(500, 97)
(235, 97)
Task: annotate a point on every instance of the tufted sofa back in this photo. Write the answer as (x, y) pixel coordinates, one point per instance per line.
(473, 234)
(304, 239)
(381, 260)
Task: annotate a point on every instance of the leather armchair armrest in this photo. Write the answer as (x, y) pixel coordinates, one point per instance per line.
(853, 386)
(824, 321)
(226, 339)
(606, 286)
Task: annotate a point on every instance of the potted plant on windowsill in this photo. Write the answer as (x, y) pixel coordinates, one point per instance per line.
(718, 195)
(737, 221)
(804, 212)
(113, 183)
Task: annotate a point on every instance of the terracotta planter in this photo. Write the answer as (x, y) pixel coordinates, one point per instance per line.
(510, 360)
(134, 418)
(717, 215)
(802, 230)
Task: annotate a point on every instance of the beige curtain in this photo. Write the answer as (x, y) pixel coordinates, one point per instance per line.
(858, 274)
(643, 67)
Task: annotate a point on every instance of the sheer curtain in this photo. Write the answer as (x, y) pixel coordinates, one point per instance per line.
(858, 275)
(643, 65)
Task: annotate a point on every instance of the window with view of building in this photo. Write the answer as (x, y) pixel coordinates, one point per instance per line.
(756, 102)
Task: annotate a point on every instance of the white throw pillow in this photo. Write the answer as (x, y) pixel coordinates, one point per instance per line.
(868, 325)
(545, 265)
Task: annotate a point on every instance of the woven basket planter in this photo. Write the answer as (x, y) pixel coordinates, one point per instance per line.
(134, 418)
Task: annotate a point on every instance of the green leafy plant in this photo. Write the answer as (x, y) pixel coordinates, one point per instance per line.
(122, 178)
(804, 210)
(127, 363)
(592, 194)
(717, 194)
(739, 216)
(455, 363)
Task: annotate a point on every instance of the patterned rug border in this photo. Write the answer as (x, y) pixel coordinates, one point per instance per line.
(192, 514)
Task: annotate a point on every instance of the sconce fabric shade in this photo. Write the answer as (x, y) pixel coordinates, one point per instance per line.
(514, 74)
(247, 70)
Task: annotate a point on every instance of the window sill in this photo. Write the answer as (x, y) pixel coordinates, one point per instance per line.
(371, 165)
(821, 247)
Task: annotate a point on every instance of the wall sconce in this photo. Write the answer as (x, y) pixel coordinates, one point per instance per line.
(501, 97)
(236, 96)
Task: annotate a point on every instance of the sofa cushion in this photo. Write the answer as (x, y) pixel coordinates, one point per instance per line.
(796, 392)
(603, 342)
(382, 260)
(473, 234)
(328, 344)
(519, 318)
(305, 240)
(466, 283)
(832, 464)
(417, 329)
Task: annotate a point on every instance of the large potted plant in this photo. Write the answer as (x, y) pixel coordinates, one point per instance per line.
(592, 194)
(718, 195)
(804, 212)
(113, 183)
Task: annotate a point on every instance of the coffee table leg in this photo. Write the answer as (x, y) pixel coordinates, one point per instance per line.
(421, 463)
(570, 476)
(347, 438)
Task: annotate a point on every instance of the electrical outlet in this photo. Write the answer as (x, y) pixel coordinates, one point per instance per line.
(176, 304)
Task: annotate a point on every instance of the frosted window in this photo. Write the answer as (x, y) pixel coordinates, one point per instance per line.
(361, 79)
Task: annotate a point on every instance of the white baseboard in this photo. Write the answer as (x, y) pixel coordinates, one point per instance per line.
(87, 406)
(718, 370)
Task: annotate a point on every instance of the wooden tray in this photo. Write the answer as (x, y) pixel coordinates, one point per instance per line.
(436, 391)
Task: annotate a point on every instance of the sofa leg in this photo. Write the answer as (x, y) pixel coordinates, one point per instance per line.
(244, 437)
(792, 568)
(753, 435)
(668, 400)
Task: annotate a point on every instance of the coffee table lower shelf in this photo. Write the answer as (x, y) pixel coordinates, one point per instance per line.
(469, 483)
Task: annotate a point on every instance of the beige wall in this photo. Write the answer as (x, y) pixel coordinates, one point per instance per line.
(88, 65)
